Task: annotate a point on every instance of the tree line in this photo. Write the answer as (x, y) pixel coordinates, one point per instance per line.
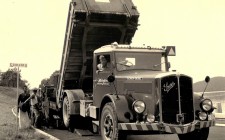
(9, 79)
(52, 80)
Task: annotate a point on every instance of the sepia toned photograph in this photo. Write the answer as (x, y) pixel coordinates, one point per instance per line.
(112, 70)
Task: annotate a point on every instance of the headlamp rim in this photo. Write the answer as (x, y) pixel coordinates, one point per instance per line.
(201, 104)
(135, 103)
(201, 113)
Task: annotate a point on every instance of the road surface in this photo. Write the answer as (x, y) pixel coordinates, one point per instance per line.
(216, 133)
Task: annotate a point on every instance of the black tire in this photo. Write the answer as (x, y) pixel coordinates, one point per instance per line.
(109, 124)
(201, 134)
(67, 118)
(50, 117)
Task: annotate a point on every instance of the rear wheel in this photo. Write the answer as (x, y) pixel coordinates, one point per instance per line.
(67, 118)
(201, 134)
(109, 124)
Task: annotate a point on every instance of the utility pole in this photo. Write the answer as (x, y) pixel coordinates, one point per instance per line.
(17, 69)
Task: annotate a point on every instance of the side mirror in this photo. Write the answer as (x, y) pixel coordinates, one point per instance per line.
(207, 79)
(111, 78)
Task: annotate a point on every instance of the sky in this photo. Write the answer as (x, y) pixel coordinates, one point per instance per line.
(32, 32)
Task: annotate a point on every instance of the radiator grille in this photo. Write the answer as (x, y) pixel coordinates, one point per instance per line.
(170, 87)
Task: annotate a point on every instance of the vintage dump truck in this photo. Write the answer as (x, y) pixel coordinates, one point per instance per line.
(135, 93)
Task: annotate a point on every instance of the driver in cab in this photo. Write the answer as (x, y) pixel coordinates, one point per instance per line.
(104, 65)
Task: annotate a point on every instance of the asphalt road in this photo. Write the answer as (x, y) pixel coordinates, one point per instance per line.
(216, 133)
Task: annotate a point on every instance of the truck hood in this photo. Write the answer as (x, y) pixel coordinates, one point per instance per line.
(141, 85)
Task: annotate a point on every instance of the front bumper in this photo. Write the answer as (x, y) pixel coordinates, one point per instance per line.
(163, 127)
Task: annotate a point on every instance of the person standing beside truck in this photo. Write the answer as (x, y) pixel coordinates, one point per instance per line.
(35, 107)
(45, 108)
(25, 107)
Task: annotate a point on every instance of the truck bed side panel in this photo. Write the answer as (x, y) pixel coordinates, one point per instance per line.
(90, 25)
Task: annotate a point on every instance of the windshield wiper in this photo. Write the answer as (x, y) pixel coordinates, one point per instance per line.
(156, 65)
(123, 64)
(142, 69)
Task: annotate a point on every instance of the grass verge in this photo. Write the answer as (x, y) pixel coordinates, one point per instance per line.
(8, 126)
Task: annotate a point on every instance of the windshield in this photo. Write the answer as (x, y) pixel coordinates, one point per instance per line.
(139, 61)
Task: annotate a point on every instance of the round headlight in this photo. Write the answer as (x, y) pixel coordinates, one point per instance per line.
(139, 106)
(206, 105)
(150, 118)
(202, 116)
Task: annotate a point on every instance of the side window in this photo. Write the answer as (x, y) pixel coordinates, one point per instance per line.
(103, 63)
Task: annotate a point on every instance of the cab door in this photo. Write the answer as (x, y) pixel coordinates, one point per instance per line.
(101, 86)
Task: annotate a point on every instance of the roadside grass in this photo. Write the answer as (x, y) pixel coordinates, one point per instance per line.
(10, 133)
(8, 125)
(11, 92)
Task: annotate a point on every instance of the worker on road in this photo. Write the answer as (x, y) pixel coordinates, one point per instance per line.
(35, 107)
(45, 108)
(104, 65)
(25, 107)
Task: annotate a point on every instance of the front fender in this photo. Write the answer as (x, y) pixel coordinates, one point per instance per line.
(74, 97)
(122, 107)
(197, 100)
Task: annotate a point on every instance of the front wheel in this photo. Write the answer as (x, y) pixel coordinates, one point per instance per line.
(109, 124)
(201, 134)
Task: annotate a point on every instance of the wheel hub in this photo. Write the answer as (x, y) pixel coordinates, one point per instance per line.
(108, 126)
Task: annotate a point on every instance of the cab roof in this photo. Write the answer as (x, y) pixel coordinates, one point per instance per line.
(128, 48)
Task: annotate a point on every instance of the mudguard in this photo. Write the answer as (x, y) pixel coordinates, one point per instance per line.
(197, 100)
(74, 97)
(121, 104)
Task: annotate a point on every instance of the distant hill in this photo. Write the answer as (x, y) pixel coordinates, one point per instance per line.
(215, 84)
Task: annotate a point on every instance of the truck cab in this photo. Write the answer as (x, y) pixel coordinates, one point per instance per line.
(142, 96)
(126, 62)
